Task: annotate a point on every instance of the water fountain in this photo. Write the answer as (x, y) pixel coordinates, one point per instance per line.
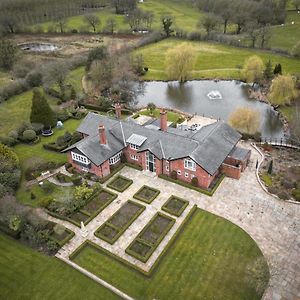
(214, 95)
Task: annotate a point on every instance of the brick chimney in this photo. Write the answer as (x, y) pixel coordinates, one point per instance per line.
(102, 135)
(118, 109)
(163, 120)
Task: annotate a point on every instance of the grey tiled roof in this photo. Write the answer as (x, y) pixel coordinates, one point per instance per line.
(208, 147)
(239, 153)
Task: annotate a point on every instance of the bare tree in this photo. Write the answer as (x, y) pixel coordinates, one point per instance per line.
(61, 23)
(253, 32)
(209, 22)
(111, 25)
(264, 34)
(92, 20)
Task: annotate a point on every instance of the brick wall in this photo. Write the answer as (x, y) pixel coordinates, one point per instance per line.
(231, 171)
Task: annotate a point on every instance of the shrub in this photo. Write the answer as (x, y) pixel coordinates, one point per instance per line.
(34, 79)
(8, 141)
(173, 174)
(68, 165)
(194, 181)
(283, 195)
(296, 194)
(29, 135)
(45, 202)
(47, 187)
(59, 229)
(76, 179)
(32, 196)
(37, 127)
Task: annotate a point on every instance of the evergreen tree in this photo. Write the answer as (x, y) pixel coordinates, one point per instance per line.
(270, 169)
(277, 69)
(268, 74)
(40, 110)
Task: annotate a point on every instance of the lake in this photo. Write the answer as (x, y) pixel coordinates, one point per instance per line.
(193, 97)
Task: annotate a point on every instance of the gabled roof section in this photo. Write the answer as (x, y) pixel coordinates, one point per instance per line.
(136, 139)
(208, 147)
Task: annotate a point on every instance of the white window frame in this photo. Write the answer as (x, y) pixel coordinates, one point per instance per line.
(178, 172)
(80, 158)
(134, 147)
(116, 158)
(189, 164)
(134, 157)
(186, 174)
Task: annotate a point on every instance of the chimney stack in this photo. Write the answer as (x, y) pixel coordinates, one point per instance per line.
(118, 109)
(163, 120)
(102, 135)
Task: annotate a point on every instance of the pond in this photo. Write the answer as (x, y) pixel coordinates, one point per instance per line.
(38, 47)
(217, 99)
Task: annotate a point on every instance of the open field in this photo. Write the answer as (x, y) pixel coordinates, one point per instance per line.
(186, 17)
(214, 60)
(209, 260)
(27, 274)
(285, 37)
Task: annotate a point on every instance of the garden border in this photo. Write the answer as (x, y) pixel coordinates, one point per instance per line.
(120, 190)
(154, 246)
(171, 212)
(61, 243)
(157, 192)
(123, 229)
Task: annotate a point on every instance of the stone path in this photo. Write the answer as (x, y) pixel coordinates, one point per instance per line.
(272, 223)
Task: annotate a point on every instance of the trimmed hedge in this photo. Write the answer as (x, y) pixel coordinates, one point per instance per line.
(208, 192)
(61, 243)
(174, 212)
(120, 231)
(128, 264)
(146, 200)
(122, 188)
(152, 247)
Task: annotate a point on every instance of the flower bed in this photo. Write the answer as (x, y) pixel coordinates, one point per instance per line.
(116, 225)
(175, 206)
(120, 183)
(150, 237)
(146, 194)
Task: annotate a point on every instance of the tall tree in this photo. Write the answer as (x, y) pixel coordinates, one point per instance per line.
(61, 23)
(92, 20)
(245, 119)
(268, 71)
(111, 25)
(167, 24)
(253, 69)
(180, 61)
(209, 22)
(296, 4)
(252, 30)
(7, 54)
(283, 90)
(56, 73)
(41, 112)
(264, 33)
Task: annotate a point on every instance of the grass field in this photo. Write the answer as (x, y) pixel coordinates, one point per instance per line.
(172, 116)
(214, 60)
(28, 275)
(285, 37)
(186, 17)
(209, 260)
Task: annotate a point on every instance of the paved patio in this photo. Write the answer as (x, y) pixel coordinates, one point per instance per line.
(273, 224)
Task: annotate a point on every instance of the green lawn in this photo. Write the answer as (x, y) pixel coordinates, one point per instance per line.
(16, 110)
(185, 16)
(208, 261)
(214, 60)
(172, 116)
(27, 274)
(285, 37)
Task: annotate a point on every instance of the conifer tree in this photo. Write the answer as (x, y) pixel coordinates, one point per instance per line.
(268, 74)
(41, 112)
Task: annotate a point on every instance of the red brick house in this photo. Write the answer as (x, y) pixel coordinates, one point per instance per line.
(204, 154)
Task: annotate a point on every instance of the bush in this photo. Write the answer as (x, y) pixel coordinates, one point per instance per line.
(34, 79)
(296, 194)
(29, 135)
(37, 127)
(68, 165)
(76, 179)
(8, 141)
(47, 187)
(173, 174)
(194, 181)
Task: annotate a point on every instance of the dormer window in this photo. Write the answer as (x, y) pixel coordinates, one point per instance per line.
(135, 141)
(135, 147)
(189, 164)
